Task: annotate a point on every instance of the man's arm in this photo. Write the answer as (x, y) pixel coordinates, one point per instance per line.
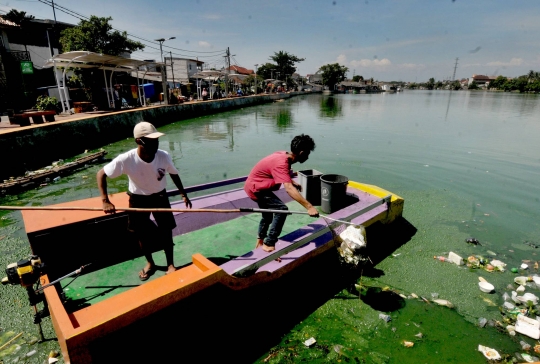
(293, 192)
(178, 183)
(108, 207)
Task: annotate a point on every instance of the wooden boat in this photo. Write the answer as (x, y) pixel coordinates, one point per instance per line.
(86, 330)
(34, 179)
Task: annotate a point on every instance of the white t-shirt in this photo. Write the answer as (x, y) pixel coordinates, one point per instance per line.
(144, 178)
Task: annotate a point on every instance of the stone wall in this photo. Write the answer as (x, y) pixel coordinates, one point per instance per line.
(31, 148)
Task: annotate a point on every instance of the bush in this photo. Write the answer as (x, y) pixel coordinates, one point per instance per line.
(46, 103)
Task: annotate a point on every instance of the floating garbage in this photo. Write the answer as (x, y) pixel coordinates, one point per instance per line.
(482, 321)
(523, 280)
(489, 353)
(508, 306)
(472, 241)
(505, 296)
(419, 335)
(485, 286)
(511, 330)
(408, 344)
(527, 326)
(498, 264)
(385, 317)
(491, 253)
(444, 303)
(529, 358)
(31, 353)
(525, 346)
(351, 243)
(56, 179)
(524, 266)
(309, 342)
(520, 289)
(434, 295)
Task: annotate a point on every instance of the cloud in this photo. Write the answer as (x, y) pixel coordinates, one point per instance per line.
(204, 44)
(513, 62)
(378, 64)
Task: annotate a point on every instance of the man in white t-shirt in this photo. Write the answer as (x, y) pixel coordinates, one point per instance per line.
(145, 167)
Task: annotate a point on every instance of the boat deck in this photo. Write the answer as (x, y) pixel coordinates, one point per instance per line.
(219, 243)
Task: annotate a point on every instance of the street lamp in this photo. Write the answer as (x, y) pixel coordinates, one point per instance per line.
(256, 64)
(161, 40)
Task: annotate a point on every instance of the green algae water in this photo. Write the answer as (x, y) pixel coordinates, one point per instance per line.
(466, 163)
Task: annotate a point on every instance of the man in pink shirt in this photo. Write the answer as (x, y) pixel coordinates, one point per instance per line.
(267, 176)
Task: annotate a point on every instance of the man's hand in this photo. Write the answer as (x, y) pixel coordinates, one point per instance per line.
(187, 202)
(312, 211)
(108, 207)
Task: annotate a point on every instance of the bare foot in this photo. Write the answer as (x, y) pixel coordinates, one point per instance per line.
(260, 242)
(269, 249)
(170, 269)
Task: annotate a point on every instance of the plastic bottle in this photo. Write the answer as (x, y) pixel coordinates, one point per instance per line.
(385, 317)
(441, 258)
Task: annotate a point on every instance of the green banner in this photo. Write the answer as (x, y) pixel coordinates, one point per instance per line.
(27, 68)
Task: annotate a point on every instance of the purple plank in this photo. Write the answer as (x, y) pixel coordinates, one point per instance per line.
(285, 241)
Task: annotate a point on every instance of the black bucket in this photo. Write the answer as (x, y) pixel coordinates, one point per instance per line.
(333, 192)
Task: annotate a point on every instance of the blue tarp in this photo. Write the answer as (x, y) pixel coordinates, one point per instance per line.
(149, 90)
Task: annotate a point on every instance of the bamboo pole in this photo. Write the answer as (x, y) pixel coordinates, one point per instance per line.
(10, 341)
(130, 209)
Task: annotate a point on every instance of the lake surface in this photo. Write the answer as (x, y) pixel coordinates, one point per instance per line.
(466, 163)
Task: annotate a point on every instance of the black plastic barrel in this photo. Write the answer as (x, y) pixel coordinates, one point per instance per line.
(333, 192)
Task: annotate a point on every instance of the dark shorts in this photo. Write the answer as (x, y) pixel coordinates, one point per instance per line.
(140, 222)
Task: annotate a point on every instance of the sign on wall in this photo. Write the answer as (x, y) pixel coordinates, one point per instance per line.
(27, 68)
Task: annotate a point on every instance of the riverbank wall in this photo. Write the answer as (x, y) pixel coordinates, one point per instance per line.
(33, 147)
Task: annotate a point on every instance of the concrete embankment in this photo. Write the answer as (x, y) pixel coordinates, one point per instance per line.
(30, 148)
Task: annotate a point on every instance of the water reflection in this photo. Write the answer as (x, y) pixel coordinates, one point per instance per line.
(330, 108)
(284, 119)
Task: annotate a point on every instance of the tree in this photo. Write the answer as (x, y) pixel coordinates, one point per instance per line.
(357, 78)
(20, 18)
(430, 84)
(332, 74)
(473, 86)
(455, 85)
(250, 81)
(97, 35)
(266, 70)
(285, 63)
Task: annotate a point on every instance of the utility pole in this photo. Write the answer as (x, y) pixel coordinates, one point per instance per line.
(228, 58)
(172, 71)
(455, 68)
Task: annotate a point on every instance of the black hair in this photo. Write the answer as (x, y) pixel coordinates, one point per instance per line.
(302, 143)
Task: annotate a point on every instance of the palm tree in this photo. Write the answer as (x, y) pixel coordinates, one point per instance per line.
(531, 76)
(20, 18)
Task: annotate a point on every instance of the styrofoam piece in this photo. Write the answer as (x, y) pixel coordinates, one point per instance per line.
(527, 326)
(454, 258)
(489, 353)
(520, 289)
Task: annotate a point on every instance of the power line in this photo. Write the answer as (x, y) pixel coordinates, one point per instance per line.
(84, 17)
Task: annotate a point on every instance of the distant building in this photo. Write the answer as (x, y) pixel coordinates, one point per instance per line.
(183, 69)
(481, 80)
(239, 70)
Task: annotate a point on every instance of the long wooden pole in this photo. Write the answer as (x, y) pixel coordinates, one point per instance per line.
(133, 209)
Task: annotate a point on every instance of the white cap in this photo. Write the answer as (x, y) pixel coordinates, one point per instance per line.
(146, 130)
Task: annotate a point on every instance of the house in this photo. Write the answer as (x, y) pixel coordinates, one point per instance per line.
(239, 70)
(481, 80)
(23, 52)
(183, 69)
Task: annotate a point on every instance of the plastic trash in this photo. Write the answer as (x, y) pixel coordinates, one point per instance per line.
(434, 296)
(524, 345)
(444, 303)
(527, 326)
(498, 264)
(522, 280)
(529, 358)
(408, 344)
(309, 342)
(385, 317)
(508, 306)
(520, 289)
(56, 179)
(482, 321)
(454, 258)
(514, 270)
(441, 258)
(505, 296)
(419, 335)
(524, 266)
(489, 353)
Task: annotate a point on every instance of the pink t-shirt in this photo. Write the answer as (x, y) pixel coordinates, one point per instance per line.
(268, 174)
